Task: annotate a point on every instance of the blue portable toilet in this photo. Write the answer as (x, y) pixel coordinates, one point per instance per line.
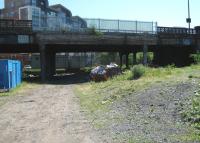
(10, 74)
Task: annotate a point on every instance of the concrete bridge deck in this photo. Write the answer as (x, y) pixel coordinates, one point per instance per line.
(170, 45)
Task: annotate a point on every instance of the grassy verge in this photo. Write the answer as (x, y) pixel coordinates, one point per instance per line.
(18, 90)
(96, 96)
(191, 114)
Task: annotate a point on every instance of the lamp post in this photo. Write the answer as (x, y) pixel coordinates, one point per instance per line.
(188, 20)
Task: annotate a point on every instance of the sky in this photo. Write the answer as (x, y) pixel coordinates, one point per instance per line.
(165, 12)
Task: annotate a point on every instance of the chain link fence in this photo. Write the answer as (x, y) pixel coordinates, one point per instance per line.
(77, 24)
(125, 26)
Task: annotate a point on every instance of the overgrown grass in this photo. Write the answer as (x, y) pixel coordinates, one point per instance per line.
(196, 57)
(18, 89)
(97, 96)
(191, 114)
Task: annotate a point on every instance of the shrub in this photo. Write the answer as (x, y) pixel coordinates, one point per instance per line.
(137, 71)
(191, 113)
(196, 58)
(95, 32)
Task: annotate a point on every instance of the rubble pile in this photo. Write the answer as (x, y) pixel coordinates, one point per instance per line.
(102, 73)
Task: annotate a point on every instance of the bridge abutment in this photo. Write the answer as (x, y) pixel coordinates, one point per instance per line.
(177, 55)
(198, 45)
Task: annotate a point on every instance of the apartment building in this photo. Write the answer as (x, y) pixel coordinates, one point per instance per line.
(44, 17)
(53, 17)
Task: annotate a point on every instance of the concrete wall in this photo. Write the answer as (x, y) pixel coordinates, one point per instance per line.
(71, 61)
(75, 60)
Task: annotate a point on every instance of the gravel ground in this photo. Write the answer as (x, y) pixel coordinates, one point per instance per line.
(151, 115)
(49, 113)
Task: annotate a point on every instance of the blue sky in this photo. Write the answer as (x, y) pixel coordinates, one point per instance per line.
(165, 12)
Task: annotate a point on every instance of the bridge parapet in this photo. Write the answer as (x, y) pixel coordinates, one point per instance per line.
(175, 31)
(88, 39)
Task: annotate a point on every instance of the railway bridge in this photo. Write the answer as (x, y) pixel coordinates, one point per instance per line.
(169, 44)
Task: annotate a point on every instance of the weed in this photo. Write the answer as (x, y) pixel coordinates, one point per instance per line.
(18, 89)
(192, 115)
(97, 98)
(196, 58)
(93, 31)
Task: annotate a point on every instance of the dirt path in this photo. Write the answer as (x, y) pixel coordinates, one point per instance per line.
(48, 114)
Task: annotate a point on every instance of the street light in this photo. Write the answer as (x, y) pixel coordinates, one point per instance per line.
(188, 20)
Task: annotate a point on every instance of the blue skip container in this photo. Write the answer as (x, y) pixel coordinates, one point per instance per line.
(10, 74)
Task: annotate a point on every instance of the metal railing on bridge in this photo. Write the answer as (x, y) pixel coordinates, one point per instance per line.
(15, 26)
(77, 24)
(65, 24)
(176, 30)
(123, 26)
(83, 25)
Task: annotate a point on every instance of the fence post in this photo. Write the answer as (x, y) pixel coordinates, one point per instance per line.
(136, 22)
(99, 25)
(156, 28)
(118, 25)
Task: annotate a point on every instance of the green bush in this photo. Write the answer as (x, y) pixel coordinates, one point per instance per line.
(137, 71)
(196, 58)
(95, 32)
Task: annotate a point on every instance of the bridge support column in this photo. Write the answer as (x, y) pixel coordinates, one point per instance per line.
(43, 62)
(47, 61)
(198, 45)
(145, 52)
(52, 63)
(121, 59)
(134, 58)
(127, 60)
(156, 55)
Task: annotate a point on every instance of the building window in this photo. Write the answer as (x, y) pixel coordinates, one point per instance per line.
(35, 17)
(33, 2)
(12, 4)
(42, 3)
(26, 2)
(24, 14)
(12, 14)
